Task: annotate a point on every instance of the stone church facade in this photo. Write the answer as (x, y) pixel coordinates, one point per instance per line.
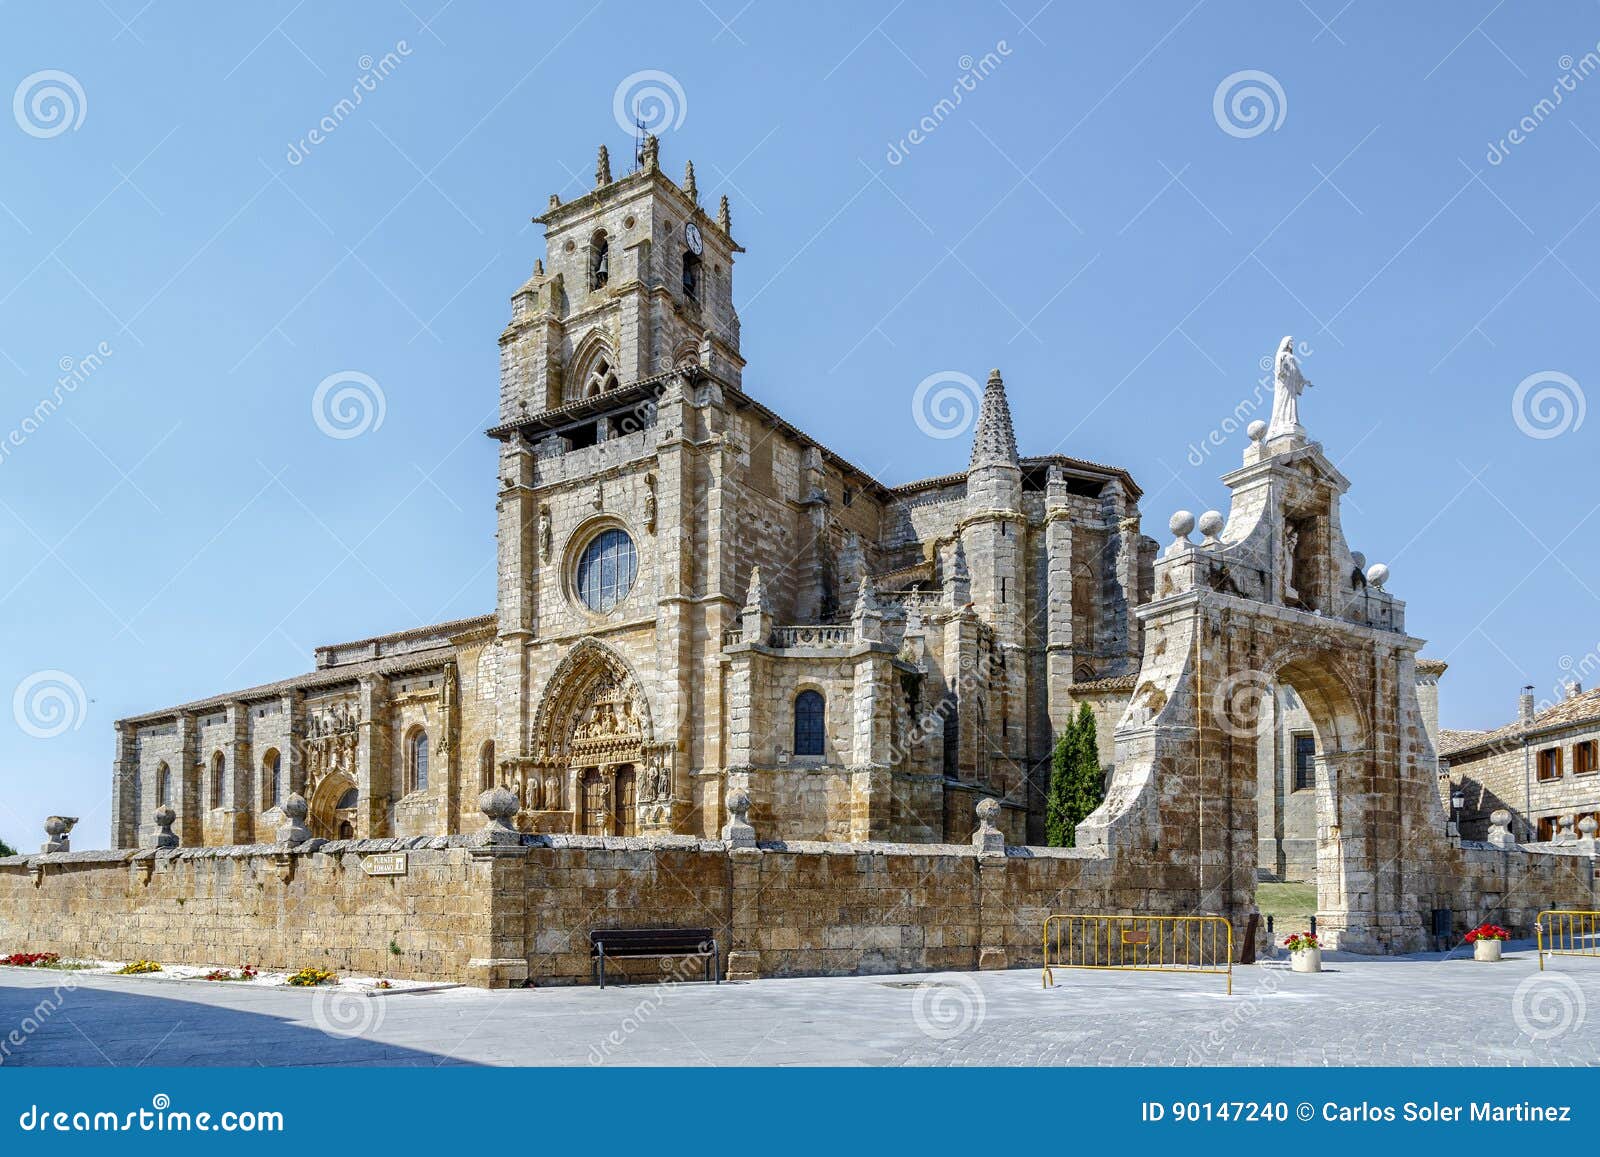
(696, 598)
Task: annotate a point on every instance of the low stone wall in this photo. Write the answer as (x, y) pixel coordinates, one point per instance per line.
(255, 904)
(1512, 886)
(469, 910)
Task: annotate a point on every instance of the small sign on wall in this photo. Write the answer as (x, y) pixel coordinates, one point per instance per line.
(384, 864)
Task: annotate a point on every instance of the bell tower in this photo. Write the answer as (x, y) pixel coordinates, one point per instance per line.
(637, 279)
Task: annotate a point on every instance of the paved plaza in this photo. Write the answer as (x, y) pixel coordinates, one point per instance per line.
(1417, 1010)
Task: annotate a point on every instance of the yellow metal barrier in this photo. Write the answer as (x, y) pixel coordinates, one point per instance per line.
(1139, 943)
(1564, 932)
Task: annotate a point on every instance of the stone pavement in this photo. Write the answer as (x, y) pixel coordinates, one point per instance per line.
(1398, 1011)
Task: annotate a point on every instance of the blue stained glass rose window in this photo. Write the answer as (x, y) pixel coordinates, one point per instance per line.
(606, 570)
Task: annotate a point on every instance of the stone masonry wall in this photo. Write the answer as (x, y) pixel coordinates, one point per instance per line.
(497, 916)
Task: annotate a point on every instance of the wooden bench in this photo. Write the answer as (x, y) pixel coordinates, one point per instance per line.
(653, 943)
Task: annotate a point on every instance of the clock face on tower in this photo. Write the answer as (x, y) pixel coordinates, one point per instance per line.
(691, 237)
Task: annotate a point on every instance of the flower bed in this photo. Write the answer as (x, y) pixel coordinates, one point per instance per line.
(245, 974)
(31, 959)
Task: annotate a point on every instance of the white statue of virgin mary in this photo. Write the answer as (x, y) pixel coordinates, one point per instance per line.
(1287, 382)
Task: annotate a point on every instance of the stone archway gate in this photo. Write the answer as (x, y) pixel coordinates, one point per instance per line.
(1273, 594)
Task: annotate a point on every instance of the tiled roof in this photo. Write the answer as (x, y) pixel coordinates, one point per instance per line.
(324, 677)
(1573, 711)
(1111, 683)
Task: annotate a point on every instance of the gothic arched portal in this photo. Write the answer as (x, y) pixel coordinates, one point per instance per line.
(593, 743)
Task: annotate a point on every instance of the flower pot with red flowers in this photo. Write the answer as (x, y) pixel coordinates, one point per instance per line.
(1305, 954)
(1488, 941)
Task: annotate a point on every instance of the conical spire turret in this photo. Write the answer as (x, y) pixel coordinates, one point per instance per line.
(689, 185)
(602, 168)
(995, 442)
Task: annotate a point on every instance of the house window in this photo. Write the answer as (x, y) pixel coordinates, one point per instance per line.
(486, 766)
(1547, 829)
(606, 570)
(219, 779)
(808, 723)
(1549, 763)
(417, 761)
(1585, 757)
(163, 785)
(1305, 761)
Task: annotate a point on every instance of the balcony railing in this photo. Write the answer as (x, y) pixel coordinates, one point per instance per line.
(785, 638)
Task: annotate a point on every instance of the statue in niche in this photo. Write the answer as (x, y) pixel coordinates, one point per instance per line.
(1291, 541)
(1287, 384)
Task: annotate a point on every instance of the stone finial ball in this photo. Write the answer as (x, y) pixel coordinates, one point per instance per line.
(988, 809)
(1378, 574)
(164, 816)
(498, 803)
(295, 807)
(1587, 825)
(739, 804)
(1500, 818)
(1181, 523)
(1257, 430)
(1211, 523)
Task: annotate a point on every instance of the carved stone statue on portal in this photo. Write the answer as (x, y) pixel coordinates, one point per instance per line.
(1287, 384)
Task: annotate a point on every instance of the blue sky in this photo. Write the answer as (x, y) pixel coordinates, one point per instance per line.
(1085, 218)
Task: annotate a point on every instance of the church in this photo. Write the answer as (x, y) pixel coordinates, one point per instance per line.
(695, 599)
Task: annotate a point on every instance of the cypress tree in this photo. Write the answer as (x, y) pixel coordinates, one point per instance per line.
(1088, 779)
(1058, 798)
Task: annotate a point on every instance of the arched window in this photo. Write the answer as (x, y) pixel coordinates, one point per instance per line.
(950, 711)
(486, 766)
(219, 779)
(606, 570)
(599, 260)
(271, 778)
(602, 379)
(691, 276)
(349, 799)
(808, 724)
(163, 785)
(417, 761)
